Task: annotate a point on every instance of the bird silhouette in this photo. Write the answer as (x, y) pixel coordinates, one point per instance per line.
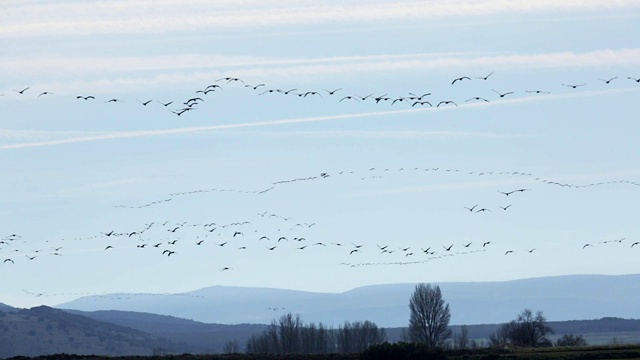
(21, 92)
(477, 98)
(486, 243)
(331, 92)
(85, 97)
(448, 248)
(502, 94)
(8, 260)
(421, 103)
(144, 103)
(484, 77)
(446, 102)
(471, 208)
(460, 79)
(574, 86)
(45, 93)
(628, 77)
(509, 252)
(505, 207)
(608, 81)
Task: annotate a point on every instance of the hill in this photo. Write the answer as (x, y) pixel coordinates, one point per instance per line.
(43, 330)
(561, 298)
(7, 308)
(194, 336)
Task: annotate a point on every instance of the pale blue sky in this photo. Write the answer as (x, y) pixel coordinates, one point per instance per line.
(69, 164)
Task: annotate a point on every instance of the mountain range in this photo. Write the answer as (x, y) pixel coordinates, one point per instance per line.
(571, 297)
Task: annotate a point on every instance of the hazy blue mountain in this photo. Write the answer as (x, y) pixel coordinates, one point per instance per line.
(7, 308)
(573, 297)
(195, 336)
(43, 330)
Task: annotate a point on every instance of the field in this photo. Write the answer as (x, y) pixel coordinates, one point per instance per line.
(584, 353)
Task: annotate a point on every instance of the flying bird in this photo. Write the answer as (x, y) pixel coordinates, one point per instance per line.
(333, 91)
(608, 81)
(485, 77)
(574, 86)
(509, 252)
(460, 79)
(145, 103)
(45, 93)
(446, 102)
(501, 94)
(21, 92)
(505, 207)
(628, 77)
(448, 248)
(471, 208)
(477, 98)
(85, 97)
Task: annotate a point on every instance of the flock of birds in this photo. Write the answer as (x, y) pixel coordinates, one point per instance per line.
(166, 237)
(169, 238)
(419, 99)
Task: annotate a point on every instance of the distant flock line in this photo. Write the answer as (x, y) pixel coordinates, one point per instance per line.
(412, 99)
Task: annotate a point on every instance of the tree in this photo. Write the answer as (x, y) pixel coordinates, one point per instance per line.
(571, 340)
(461, 340)
(231, 347)
(358, 336)
(525, 330)
(429, 318)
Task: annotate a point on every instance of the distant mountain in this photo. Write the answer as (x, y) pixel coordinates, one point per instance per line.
(43, 330)
(7, 308)
(573, 297)
(195, 336)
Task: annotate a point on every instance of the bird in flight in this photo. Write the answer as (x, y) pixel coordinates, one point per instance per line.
(532, 250)
(635, 243)
(45, 93)
(586, 245)
(505, 207)
(254, 87)
(538, 91)
(333, 91)
(108, 247)
(471, 208)
(421, 103)
(477, 98)
(85, 97)
(446, 102)
(467, 245)
(21, 91)
(608, 81)
(501, 94)
(460, 79)
(8, 260)
(350, 98)
(166, 104)
(448, 248)
(509, 252)
(486, 243)
(628, 77)
(574, 86)
(482, 210)
(144, 103)
(485, 77)
(114, 100)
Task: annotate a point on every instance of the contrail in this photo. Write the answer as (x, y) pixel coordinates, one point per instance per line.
(175, 131)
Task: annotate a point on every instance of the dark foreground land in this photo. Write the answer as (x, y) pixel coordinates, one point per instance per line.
(393, 352)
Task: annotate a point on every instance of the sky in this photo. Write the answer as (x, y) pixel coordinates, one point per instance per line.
(288, 185)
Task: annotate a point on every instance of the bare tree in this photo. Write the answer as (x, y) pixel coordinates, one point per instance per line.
(525, 330)
(429, 319)
(358, 336)
(232, 347)
(571, 340)
(461, 340)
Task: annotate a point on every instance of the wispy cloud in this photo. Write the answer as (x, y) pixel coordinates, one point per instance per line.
(126, 17)
(110, 74)
(395, 134)
(191, 130)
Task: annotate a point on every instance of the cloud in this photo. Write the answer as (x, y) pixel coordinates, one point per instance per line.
(191, 130)
(394, 134)
(127, 17)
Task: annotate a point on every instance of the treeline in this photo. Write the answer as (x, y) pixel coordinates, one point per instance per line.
(290, 335)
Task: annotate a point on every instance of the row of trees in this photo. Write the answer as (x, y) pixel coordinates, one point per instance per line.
(290, 335)
(428, 326)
